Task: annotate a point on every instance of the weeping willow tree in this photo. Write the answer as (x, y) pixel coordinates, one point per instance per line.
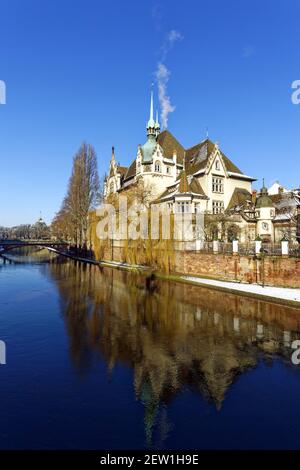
(152, 250)
(155, 251)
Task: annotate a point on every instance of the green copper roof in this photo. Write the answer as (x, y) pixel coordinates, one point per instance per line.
(264, 199)
(148, 149)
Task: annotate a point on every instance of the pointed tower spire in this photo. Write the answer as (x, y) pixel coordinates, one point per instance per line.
(151, 107)
(113, 153)
(151, 123)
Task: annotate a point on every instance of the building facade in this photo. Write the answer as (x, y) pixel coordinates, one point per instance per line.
(203, 179)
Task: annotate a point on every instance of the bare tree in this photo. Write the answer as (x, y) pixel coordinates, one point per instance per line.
(82, 197)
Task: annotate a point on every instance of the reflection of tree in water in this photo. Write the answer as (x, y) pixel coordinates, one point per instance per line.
(29, 254)
(175, 336)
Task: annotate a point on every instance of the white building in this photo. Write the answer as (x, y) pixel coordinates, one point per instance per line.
(200, 179)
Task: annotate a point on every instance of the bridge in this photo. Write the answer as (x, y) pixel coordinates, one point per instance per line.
(8, 245)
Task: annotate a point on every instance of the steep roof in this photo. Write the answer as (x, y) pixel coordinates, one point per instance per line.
(184, 185)
(197, 158)
(122, 170)
(196, 188)
(131, 171)
(239, 197)
(169, 144)
(286, 205)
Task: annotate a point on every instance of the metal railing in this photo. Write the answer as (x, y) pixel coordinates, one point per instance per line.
(271, 248)
(294, 251)
(246, 249)
(249, 249)
(225, 247)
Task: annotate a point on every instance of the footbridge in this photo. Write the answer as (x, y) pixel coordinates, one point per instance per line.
(8, 245)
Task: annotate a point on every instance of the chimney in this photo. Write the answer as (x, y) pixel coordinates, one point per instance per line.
(175, 156)
(254, 196)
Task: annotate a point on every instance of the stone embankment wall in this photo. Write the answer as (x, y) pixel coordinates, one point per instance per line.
(268, 270)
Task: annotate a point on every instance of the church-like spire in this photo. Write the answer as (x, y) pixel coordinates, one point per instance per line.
(151, 122)
(149, 147)
(151, 107)
(264, 189)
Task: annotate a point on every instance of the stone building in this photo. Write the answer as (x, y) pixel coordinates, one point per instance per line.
(203, 179)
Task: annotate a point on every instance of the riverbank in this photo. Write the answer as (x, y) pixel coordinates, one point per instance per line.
(109, 264)
(281, 295)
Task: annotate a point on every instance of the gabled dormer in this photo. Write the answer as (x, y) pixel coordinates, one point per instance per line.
(215, 163)
(114, 180)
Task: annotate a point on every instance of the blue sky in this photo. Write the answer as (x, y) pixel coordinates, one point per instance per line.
(81, 70)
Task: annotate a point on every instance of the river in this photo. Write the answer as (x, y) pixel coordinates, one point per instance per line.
(97, 360)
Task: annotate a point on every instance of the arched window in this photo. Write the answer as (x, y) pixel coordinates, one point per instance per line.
(157, 167)
(217, 165)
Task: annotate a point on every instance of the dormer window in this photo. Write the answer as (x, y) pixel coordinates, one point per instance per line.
(157, 167)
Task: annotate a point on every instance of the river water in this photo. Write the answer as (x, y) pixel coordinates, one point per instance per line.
(97, 360)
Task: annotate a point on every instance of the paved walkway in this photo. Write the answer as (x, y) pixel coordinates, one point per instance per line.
(282, 293)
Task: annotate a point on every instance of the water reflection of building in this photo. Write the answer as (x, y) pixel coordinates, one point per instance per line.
(174, 337)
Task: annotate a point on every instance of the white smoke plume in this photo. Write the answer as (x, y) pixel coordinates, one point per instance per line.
(172, 37)
(162, 75)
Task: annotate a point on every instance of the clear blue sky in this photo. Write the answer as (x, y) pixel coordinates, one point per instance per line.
(81, 70)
